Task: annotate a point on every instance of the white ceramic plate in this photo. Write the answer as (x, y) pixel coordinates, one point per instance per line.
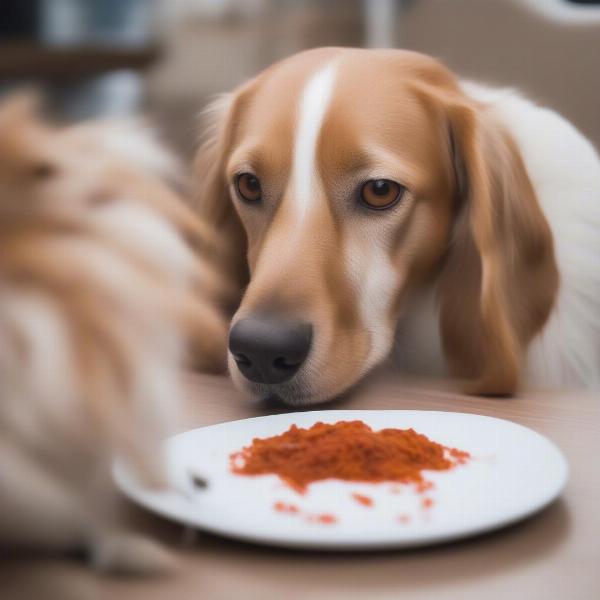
(514, 473)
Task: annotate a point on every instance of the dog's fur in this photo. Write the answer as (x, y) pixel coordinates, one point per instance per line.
(487, 269)
(102, 298)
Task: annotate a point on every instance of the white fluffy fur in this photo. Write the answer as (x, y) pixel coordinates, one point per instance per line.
(371, 272)
(54, 478)
(565, 171)
(147, 235)
(56, 444)
(133, 141)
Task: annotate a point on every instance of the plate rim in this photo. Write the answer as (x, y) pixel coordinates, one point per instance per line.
(125, 482)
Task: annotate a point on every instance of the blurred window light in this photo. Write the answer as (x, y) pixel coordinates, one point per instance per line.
(381, 22)
(72, 22)
(575, 12)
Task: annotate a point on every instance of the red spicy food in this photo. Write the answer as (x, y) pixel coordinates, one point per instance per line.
(292, 509)
(347, 450)
(324, 519)
(286, 508)
(427, 503)
(362, 499)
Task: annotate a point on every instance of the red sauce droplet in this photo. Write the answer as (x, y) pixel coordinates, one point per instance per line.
(325, 519)
(286, 508)
(362, 499)
(427, 503)
(404, 519)
(424, 486)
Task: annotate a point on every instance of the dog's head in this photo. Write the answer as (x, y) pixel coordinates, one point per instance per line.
(342, 180)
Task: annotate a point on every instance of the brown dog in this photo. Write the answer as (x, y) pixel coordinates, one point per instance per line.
(370, 201)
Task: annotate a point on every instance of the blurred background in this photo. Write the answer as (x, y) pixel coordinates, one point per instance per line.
(169, 57)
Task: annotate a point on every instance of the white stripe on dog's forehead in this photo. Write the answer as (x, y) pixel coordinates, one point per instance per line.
(314, 103)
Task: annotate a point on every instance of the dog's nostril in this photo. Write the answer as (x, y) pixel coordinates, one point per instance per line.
(242, 359)
(283, 363)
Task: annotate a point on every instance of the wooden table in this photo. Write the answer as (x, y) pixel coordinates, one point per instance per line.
(554, 556)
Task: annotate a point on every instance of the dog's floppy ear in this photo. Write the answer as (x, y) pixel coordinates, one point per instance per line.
(212, 193)
(500, 278)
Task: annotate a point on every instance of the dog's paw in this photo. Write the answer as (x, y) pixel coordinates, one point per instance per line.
(130, 554)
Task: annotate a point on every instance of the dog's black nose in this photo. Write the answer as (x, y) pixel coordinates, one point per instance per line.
(268, 349)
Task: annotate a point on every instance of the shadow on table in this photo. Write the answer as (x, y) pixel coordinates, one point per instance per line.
(209, 563)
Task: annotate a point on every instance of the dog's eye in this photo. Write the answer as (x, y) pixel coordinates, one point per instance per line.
(381, 193)
(248, 187)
